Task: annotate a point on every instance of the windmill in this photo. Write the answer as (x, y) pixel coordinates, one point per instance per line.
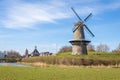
(80, 43)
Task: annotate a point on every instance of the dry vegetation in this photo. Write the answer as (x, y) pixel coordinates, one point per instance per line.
(93, 59)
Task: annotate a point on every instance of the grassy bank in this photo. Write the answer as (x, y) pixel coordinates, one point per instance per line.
(93, 59)
(57, 73)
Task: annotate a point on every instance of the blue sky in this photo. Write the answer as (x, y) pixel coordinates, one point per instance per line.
(48, 23)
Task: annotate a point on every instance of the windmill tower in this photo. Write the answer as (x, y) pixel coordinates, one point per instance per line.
(80, 43)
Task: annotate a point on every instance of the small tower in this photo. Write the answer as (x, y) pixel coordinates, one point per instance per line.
(79, 42)
(35, 52)
(26, 53)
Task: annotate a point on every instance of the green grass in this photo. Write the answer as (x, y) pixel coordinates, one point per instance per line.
(101, 55)
(57, 73)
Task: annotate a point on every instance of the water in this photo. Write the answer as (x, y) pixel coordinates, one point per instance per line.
(11, 64)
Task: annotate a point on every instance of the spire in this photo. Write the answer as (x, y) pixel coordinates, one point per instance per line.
(26, 51)
(35, 47)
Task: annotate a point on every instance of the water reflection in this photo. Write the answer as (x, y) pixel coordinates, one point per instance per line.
(11, 64)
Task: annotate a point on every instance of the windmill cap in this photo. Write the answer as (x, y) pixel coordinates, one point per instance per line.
(78, 23)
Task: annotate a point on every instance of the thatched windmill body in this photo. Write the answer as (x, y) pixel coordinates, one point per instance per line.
(80, 43)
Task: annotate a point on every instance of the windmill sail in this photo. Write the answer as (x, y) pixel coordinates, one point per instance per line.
(89, 31)
(76, 14)
(80, 43)
(87, 17)
(82, 23)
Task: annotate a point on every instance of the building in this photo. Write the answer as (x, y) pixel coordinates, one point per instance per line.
(35, 52)
(45, 54)
(26, 54)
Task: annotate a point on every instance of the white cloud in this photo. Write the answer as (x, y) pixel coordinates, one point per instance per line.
(112, 6)
(97, 7)
(100, 8)
(25, 15)
(21, 14)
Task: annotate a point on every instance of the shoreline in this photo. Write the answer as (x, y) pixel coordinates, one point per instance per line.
(39, 64)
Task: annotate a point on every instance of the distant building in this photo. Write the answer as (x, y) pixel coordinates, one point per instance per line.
(45, 54)
(35, 52)
(2, 55)
(26, 53)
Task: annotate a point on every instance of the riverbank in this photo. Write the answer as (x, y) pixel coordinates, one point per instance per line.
(102, 60)
(12, 64)
(39, 64)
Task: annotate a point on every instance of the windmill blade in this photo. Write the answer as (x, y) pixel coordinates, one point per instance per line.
(88, 17)
(89, 31)
(77, 25)
(76, 13)
(74, 29)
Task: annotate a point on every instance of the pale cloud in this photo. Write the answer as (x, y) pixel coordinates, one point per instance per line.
(112, 6)
(97, 7)
(21, 14)
(101, 8)
(25, 15)
(5, 36)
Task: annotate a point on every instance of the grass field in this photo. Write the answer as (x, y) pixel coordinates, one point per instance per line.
(57, 73)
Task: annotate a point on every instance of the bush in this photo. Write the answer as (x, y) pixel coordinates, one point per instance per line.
(65, 49)
(10, 59)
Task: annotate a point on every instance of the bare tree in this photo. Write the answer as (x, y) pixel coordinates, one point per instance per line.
(65, 49)
(102, 48)
(13, 54)
(117, 50)
(90, 48)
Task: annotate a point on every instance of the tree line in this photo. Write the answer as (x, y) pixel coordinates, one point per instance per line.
(11, 54)
(91, 48)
